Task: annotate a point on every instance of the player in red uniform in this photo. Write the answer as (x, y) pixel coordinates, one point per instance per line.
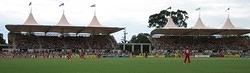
(69, 56)
(98, 54)
(187, 55)
(82, 54)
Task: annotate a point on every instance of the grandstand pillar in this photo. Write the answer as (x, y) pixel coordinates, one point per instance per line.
(150, 48)
(14, 42)
(124, 46)
(45, 33)
(141, 48)
(40, 44)
(133, 47)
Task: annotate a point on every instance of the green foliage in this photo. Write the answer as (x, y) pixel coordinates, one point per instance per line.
(2, 41)
(140, 38)
(159, 20)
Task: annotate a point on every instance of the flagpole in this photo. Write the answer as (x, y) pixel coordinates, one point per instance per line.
(200, 13)
(228, 8)
(62, 6)
(228, 13)
(94, 5)
(63, 9)
(199, 9)
(30, 4)
(31, 8)
(95, 12)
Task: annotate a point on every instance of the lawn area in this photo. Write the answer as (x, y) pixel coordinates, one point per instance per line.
(126, 65)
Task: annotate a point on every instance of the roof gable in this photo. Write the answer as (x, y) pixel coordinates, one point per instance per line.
(63, 21)
(228, 24)
(94, 22)
(170, 24)
(199, 24)
(30, 20)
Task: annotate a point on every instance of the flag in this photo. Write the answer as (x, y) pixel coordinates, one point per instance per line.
(198, 9)
(169, 8)
(92, 5)
(61, 5)
(228, 9)
(30, 3)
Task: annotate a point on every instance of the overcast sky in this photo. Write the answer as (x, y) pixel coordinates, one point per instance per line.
(132, 14)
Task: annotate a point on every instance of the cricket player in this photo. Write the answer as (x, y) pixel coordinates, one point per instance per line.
(98, 54)
(82, 54)
(186, 55)
(69, 55)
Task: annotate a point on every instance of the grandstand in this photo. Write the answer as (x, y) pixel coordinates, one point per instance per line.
(33, 36)
(166, 41)
(202, 39)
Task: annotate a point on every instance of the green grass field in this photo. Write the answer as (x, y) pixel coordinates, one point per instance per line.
(126, 65)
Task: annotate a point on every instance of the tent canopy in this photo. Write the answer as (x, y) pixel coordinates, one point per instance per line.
(63, 21)
(200, 32)
(228, 24)
(30, 20)
(63, 26)
(199, 24)
(94, 22)
(199, 29)
(62, 29)
(171, 25)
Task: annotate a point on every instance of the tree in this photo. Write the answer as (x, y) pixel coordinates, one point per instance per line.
(2, 41)
(159, 20)
(140, 38)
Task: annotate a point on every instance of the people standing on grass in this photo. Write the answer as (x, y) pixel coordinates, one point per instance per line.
(98, 54)
(69, 55)
(187, 55)
(82, 54)
(146, 54)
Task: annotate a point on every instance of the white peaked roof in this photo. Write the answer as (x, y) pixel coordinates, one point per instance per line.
(63, 21)
(170, 24)
(199, 24)
(30, 20)
(94, 23)
(228, 24)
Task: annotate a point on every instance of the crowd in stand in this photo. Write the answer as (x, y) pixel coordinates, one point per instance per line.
(63, 42)
(202, 42)
(107, 53)
(35, 46)
(62, 53)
